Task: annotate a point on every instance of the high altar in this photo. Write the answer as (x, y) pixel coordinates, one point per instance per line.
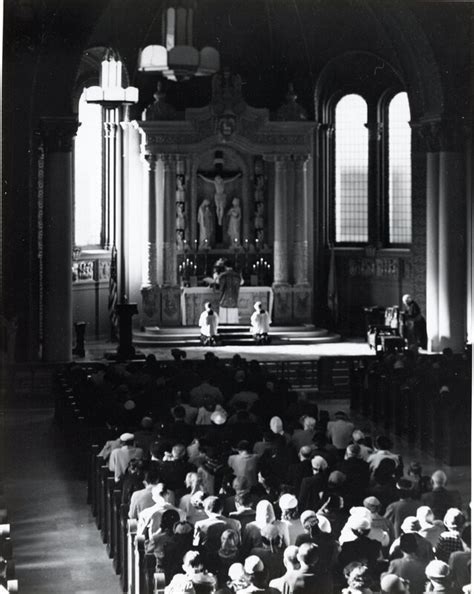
(231, 183)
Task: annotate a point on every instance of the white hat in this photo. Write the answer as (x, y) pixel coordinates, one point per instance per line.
(358, 522)
(218, 417)
(127, 437)
(253, 564)
(287, 501)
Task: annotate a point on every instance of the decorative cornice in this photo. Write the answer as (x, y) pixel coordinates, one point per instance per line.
(58, 133)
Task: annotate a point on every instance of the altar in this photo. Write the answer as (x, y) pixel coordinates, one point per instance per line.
(194, 298)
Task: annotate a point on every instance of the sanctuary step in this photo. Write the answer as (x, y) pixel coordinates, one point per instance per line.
(232, 334)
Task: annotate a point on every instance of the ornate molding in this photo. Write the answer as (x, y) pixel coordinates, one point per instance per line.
(58, 133)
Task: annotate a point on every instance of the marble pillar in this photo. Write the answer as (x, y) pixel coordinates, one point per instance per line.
(169, 240)
(57, 135)
(152, 275)
(300, 237)
(432, 249)
(280, 242)
(452, 251)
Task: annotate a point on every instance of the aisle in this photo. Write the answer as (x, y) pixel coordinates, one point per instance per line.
(57, 547)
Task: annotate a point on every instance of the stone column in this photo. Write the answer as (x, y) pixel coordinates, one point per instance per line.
(58, 134)
(280, 242)
(110, 185)
(152, 275)
(452, 241)
(432, 248)
(169, 243)
(300, 238)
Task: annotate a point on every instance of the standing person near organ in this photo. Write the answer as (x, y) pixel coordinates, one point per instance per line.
(229, 283)
(220, 195)
(414, 324)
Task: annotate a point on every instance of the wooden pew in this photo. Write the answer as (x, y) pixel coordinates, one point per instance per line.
(131, 536)
(123, 543)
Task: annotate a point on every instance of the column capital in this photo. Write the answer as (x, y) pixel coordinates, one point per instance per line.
(151, 159)
(442, 134)
(277, 159)
(300, 160)
(58, 133)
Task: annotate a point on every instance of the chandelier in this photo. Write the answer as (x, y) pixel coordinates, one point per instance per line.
(110, 91)
(177, 59)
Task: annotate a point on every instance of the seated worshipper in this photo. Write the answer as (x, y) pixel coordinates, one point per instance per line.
(263, 445)
(359, 438)
(276, 426)
(268, 486)
(257, 576)
(237, 580)
(440, 499)
(430, 528)
(193, 485)
(120, 457)
(392, 584)
(290, 516)
(207, 533)
(271, 551)
(358, 579)
(208, 324)
(410, 567)
(301, 469)
(306, 579)
(406, 506)
(291, 563)
(230, 489)
(132, 480)
(308, 497)
(227, 555)
(439, 577)
(206, 411)
(277, 458)
(424, 550)
(162, 548)
(363, 549)
(423, 483)
(304, 436)
(149, 520)
(334, 512)
(195, 577)
(460, 561)
(260, 324)
(375, 533)
(378, 522)
(414, 324)
(450, 540)
(383, 483)
(321, 447)
(174, 470)
(145, 436)
(244, 463)
(179, 430)
(382, 452)
(245, 512)
(142, 499)
(317, 530)
(340, 431)
(357, 473)
(264, 516)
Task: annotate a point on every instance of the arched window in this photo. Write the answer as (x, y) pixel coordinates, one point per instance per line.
(399, 174)
(88, 176)
(351, 170)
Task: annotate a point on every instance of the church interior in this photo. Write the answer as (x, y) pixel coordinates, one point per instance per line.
(302, 172)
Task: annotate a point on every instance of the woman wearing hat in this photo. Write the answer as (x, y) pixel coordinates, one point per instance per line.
(290, 516)
(264, 516)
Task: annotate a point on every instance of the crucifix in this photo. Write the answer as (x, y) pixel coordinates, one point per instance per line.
(220, 196)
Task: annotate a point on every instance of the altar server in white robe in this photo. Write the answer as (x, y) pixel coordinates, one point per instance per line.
(208, 324)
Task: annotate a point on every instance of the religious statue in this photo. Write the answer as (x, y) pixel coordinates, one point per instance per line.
(234, 215)
(180, 216)
(180, 188)
(180, 239)
(219, 196)
(206, 224)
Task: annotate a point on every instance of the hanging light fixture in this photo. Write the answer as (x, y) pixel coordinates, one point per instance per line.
(110, 91)
(178, 59)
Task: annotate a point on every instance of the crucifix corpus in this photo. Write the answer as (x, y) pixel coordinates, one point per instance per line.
(219, 196)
